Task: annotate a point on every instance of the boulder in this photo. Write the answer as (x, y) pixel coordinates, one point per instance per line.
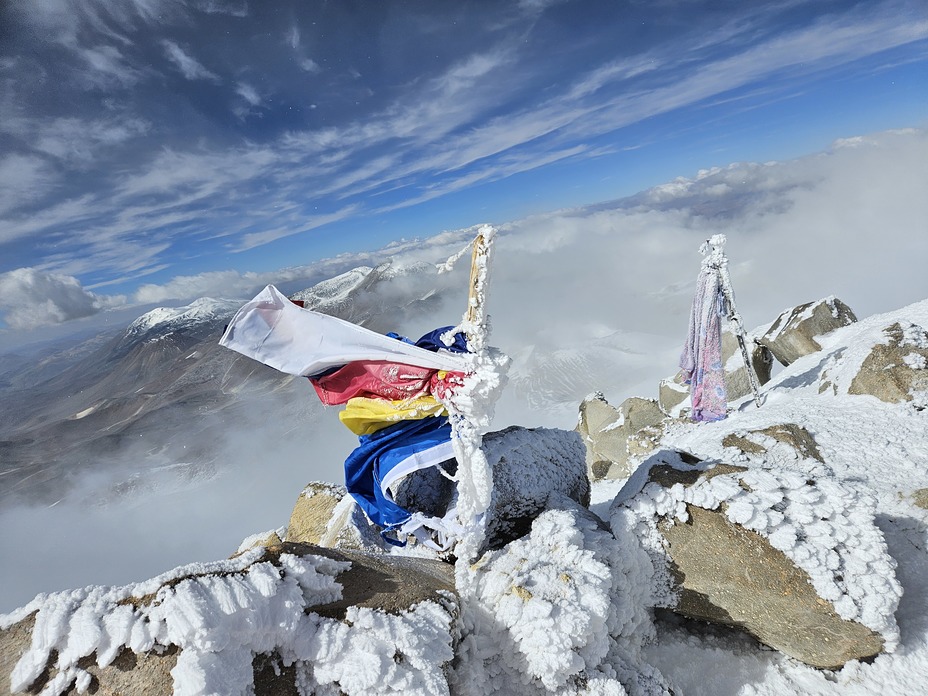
(793, 333)
(271, 538)
(563, 606)
(533, 468)
(250, 619)
(606, 430)
(325, 515)
(897, 370)
(737, 381)
(673, 396)
(313, 511)
(759, 550)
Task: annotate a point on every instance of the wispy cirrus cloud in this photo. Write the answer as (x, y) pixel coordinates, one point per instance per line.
(189, 66)
(501, 107)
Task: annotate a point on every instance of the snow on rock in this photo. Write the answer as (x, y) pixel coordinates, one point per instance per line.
(375, 652)
(895, 369)
(219, 616)
(333, 288)
(312, 511)
(606, 431)
(529, 467)
(561, 610)
(825, 527)
(793, 334)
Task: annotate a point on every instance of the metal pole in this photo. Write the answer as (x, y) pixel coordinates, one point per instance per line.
(716, 259)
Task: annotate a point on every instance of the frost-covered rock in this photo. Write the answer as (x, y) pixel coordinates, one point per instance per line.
(606, 431)
(270, 621)
(793, 333)
(798, 563)
(896, 370)
(533, 468)
(561, 610)
(269, 538)
(325, 515)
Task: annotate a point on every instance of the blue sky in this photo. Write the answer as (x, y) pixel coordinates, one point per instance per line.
(151, 148)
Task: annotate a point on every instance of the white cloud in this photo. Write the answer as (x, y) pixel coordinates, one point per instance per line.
(77, 140)
(293, 36)
(108, 68)
(310, 66)
(248, 93)
(218, 284)
(189, 66)
(30, 298)
(234, 8)
(539, 6)
(255, 239)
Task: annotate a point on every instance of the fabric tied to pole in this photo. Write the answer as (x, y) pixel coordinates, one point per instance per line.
(392, 388)
(701, 360)
(364, 416)
(383, 458)
(379, 379)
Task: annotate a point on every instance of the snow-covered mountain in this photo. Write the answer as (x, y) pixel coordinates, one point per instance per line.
(163, 390)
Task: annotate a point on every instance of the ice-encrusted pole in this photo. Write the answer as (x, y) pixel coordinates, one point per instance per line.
(471, 406)
(715, 261)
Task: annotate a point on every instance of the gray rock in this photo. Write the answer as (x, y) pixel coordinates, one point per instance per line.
(895, 370)
(606, 432)
(268, 539)
(325, 515)
(793, 333)
(532, 468)
(920, 498)
(145, 674)
(722, 572)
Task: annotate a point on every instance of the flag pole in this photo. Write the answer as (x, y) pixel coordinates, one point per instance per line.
(471, 406)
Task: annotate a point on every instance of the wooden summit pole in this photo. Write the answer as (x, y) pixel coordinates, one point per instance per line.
(475, 316)
(471, 405)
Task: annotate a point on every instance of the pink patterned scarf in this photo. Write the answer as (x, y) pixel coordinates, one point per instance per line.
(701, 361)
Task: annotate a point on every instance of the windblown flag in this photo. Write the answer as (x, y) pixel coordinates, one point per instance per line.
(274, 331)
(390, 386)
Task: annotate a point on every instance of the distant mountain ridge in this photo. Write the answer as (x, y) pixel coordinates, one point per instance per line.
(157, 385)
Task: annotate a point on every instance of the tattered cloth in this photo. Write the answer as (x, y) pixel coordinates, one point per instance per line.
(701, 360)
(386, 456)
(274, 331)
